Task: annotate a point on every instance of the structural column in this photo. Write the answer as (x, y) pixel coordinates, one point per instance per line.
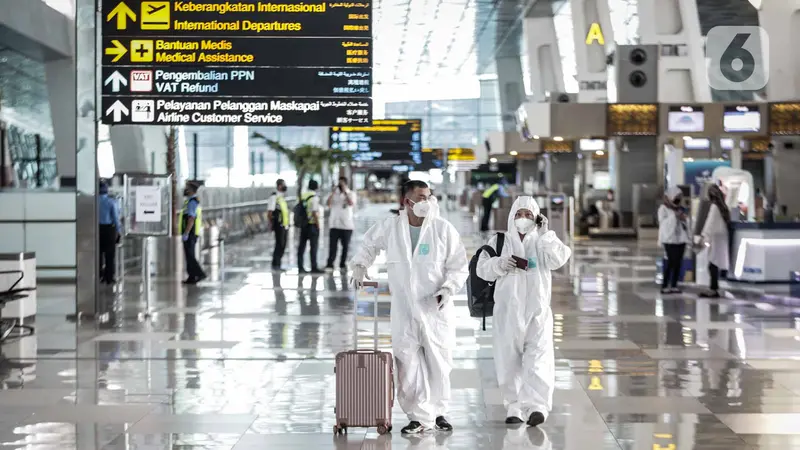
(544, 58)
(594, 39)
(86, 158)
(675, 25)
(780, 19)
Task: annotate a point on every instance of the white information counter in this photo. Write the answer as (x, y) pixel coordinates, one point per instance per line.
(764, 253)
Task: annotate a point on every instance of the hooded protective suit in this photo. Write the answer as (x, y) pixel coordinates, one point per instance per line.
(423, 333)
(523, 321)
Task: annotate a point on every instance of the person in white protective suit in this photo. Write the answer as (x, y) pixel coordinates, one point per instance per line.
(523, 321)
(427, 265)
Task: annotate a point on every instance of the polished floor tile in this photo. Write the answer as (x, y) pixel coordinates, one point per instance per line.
(249, 363)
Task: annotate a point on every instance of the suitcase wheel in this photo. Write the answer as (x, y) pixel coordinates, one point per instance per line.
(383, 429)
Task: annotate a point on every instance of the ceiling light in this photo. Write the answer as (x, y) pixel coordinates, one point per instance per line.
(513, 153)
(599, 153)
(558, 138)
(687, 138)
(536, 136)
(492, 160)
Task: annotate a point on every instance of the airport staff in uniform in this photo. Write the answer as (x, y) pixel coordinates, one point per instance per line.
(489, 197)
(309, 233)
(190, 223)
(110, 229)
(278, 215)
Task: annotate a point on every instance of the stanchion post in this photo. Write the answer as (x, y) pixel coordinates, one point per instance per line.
(572, 218)
(221, 256)
(146, 277)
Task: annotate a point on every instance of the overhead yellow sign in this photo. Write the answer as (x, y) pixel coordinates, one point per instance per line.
(155, 15)
(121, 13)
(595, 34)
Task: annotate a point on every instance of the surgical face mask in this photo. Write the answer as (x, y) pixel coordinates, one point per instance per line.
(421, 209)
(524, 225)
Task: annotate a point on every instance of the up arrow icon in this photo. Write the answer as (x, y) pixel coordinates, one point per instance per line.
(118, 110)
(115, 80)
(121, 13)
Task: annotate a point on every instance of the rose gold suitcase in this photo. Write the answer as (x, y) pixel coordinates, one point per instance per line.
(364, 382)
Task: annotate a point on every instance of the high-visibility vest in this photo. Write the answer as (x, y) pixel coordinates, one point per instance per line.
(490, 192)
(182, 218)
(284, 207)
(305, 198)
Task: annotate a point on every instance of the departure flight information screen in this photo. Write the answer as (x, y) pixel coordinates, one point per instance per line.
(385, 143)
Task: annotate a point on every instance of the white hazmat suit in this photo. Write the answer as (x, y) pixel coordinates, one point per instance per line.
(423, 331)
(523, 321)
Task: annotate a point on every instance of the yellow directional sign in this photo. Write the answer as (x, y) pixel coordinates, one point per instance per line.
(155, 15)
(121, 13)
(141, 51)
(118, 50)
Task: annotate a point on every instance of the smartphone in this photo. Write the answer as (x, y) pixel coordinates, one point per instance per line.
(521, 262)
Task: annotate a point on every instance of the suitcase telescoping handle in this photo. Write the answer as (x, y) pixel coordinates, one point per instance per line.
(374, 286)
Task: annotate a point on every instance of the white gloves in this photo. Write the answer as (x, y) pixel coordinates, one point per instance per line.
(444, 294)
(359, 275)
(505, 265)
(545, 225)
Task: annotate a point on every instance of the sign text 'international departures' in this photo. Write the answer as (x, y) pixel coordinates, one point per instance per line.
(246, 62)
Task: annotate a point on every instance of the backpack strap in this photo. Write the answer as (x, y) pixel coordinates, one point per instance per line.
(501, 239)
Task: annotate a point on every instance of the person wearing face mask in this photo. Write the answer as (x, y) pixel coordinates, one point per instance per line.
(427, 265)
(278, 219)
(190, 223)
(523, 321)
(342, 202)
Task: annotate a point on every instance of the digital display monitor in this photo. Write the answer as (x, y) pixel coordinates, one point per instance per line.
(696, 144)
(685, 119)
(592, 144)
(557, 200)
(741, 119)
(395, 142)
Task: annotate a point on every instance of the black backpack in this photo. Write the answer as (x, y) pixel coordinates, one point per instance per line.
(301, 213)
(480, 293)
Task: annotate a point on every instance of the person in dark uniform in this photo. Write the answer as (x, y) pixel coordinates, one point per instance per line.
(309, 232)
(278, 216)
(189, 225)
(109, 233)
(489, 197)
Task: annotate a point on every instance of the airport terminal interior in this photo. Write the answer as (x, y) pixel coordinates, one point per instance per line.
(137, 135)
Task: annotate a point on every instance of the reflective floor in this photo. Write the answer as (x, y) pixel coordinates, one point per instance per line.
(248, 364)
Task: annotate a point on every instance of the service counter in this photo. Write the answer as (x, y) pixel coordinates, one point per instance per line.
(764, 252)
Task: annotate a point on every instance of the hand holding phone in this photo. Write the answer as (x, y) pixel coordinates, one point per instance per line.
(521, 262)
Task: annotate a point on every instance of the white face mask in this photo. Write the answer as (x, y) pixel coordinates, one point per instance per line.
(524, 225)
(421, 209)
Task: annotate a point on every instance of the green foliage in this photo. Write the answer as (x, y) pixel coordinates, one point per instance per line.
(307, 159)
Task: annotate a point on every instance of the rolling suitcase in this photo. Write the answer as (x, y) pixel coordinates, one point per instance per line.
(364, 382)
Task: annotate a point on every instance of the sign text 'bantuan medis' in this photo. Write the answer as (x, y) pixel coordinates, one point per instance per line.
(237, 63)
